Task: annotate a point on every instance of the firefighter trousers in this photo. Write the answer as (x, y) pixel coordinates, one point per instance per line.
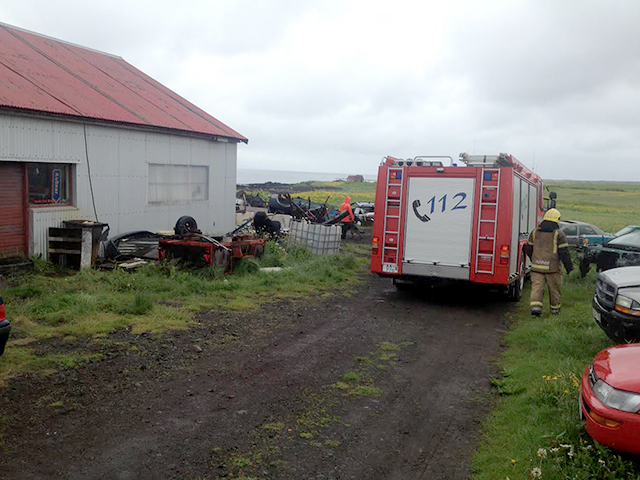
(554, 282)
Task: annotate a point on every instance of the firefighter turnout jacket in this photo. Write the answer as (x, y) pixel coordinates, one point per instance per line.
(547, 247)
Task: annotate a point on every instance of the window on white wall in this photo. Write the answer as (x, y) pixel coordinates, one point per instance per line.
(49, 183)
(177, 183)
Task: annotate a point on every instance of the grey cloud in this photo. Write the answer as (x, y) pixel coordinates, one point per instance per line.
(337, 85)
(546, 51)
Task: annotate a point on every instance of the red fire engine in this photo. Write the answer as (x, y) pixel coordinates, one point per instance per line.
(467, 222)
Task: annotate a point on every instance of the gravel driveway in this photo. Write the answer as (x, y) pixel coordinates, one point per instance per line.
(375, 384)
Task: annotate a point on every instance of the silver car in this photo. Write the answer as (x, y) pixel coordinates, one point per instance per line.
(574, 229)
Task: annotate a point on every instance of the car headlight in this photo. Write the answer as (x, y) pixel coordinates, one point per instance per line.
(618, 399)
(627, 305)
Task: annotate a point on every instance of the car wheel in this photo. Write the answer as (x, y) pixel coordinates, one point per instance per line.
(614, 332)
(515, 293)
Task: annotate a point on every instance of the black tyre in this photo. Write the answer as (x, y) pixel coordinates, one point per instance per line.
(401, 284)
(515, 291)
(184, 225)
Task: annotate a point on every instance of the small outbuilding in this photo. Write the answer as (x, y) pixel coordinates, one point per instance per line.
(86, 135)
(355, 178)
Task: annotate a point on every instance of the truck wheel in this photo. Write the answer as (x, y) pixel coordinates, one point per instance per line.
(515, 293)
(401, 284)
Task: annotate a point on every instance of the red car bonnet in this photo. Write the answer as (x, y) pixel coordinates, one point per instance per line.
(619, 366)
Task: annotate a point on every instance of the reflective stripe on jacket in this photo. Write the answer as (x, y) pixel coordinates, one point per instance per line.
(545, 257)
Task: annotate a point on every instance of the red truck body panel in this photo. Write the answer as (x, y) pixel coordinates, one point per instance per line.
(482, 209)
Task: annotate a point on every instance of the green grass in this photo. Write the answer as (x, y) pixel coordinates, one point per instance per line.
(610, 206)
(538, 397)
(351, 377)
(335, 199)
(331, 192)
(156, 298)
(350, 188)
(274, 427)
(535, 423)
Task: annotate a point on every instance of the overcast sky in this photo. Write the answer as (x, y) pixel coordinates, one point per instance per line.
(336, 85)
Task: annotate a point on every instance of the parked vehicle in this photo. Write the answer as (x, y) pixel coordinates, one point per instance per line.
(622, 251)
(364, 212)
(610, 398)
(574, 230)
(586, 240)
(616, 303)
(627, 229)
(5, 327)
(457, 223)
(588, 247)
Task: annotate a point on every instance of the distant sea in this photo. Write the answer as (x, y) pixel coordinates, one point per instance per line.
(246, 176)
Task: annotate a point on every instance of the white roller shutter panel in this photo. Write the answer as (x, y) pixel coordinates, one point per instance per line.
(439, 219)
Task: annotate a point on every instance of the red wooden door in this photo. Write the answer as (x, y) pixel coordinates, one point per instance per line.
(12, 210)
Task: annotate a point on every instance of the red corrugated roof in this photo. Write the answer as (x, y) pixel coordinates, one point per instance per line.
(47, 75)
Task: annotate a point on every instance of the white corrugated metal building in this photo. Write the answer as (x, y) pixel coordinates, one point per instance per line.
(73, 120)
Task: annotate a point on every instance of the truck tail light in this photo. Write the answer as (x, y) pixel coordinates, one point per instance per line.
(374, 245)
(504, 254)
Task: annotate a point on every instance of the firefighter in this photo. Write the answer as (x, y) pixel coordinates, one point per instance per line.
(347, 221)
(547, 247)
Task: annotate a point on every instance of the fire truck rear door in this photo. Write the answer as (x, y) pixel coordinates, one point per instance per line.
(438, 227)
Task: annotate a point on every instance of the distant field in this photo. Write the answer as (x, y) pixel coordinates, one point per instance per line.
(610, 206)
(331, 192)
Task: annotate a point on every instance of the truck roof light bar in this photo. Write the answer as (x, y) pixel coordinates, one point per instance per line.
(419, 162)
(501, 160)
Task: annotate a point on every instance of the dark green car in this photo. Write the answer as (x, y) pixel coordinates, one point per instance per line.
(620, 251)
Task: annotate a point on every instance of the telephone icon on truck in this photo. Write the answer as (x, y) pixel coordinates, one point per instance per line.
(422, 218)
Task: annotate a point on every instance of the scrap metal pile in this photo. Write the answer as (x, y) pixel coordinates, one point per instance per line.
(187, 245)
(302, 209)
(191, 246)
(299, 208)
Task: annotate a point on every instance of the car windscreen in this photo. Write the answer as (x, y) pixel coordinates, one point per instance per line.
(629, 240)
(590, 230)
(624, 231)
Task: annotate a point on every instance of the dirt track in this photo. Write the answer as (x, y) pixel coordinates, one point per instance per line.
(257, 394)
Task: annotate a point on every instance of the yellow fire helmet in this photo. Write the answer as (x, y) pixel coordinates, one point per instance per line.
(552, 215)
